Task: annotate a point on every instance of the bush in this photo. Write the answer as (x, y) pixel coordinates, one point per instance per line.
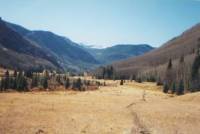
(139, 80)
(159, 82)
(121, 82)
(151, 79)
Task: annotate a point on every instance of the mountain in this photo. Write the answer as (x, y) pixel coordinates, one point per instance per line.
(118, 52)
(18, 53)
(183, 45)
(68, 53)
(64, 53)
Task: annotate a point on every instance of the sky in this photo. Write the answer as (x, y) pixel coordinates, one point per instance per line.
(104, 23)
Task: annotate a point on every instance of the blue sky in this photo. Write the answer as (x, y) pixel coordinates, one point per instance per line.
(105, 22)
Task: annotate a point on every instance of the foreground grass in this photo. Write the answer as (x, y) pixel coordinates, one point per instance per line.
(110, 110)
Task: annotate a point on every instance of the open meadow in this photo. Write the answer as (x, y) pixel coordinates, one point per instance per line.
(134, 108)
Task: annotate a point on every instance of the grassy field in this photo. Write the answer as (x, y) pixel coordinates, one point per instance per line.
(129, 109)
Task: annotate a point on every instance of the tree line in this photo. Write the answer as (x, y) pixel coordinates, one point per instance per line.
(177, 77)
(26, 81)
(181, 81)
(106, 72)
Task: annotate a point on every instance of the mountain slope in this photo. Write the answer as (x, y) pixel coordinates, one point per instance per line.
(68, 53)
(183, 45)
(118, 52)
(19, 53)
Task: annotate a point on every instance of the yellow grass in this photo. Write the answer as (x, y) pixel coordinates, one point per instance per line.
(113, 109)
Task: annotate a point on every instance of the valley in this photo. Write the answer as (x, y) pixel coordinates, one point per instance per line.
(100, 67)
(138, 108)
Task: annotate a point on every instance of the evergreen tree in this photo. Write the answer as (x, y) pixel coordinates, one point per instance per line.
(14, 83)
(15, 74)
(21, 83)
(45, 82)
(181, 69)
(2, 84)
(169, 66)
(103, 72)
(79, 84)
(159, 82)
(1, 89)
(165, 88)
(58, 79)
(180, 90)
(195, 72)
(173, 88)
(11, 83)
(7, 80)
(67, 83)
(74, 85)
(35, 81)
(28, 73)
(168, 77)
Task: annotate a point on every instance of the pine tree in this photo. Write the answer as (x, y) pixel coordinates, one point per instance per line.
(15, 74)
(11, 83)
(7, 80)
(67, 83)
(195, 72)
(74, 85)
(168, 77)
(58, 79)
(173, 88)
(28, 73)
(169, 66)
(34, 82)
(165, 88)
(14, 83)
(45, 83)
(159, 82)
(103, 72)
(2, 84)
(181, 69)
(21, 83)
(180, 90)
(79, 84)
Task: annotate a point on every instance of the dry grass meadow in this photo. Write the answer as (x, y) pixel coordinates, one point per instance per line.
(129, 109)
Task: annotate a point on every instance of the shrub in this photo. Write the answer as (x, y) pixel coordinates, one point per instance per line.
(139, 80)
(121, 82)
(159, 82)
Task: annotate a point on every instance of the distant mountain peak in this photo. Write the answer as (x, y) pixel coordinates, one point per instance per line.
(118, 52)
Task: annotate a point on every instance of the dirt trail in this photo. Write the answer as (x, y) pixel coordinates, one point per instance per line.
(110, 110)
